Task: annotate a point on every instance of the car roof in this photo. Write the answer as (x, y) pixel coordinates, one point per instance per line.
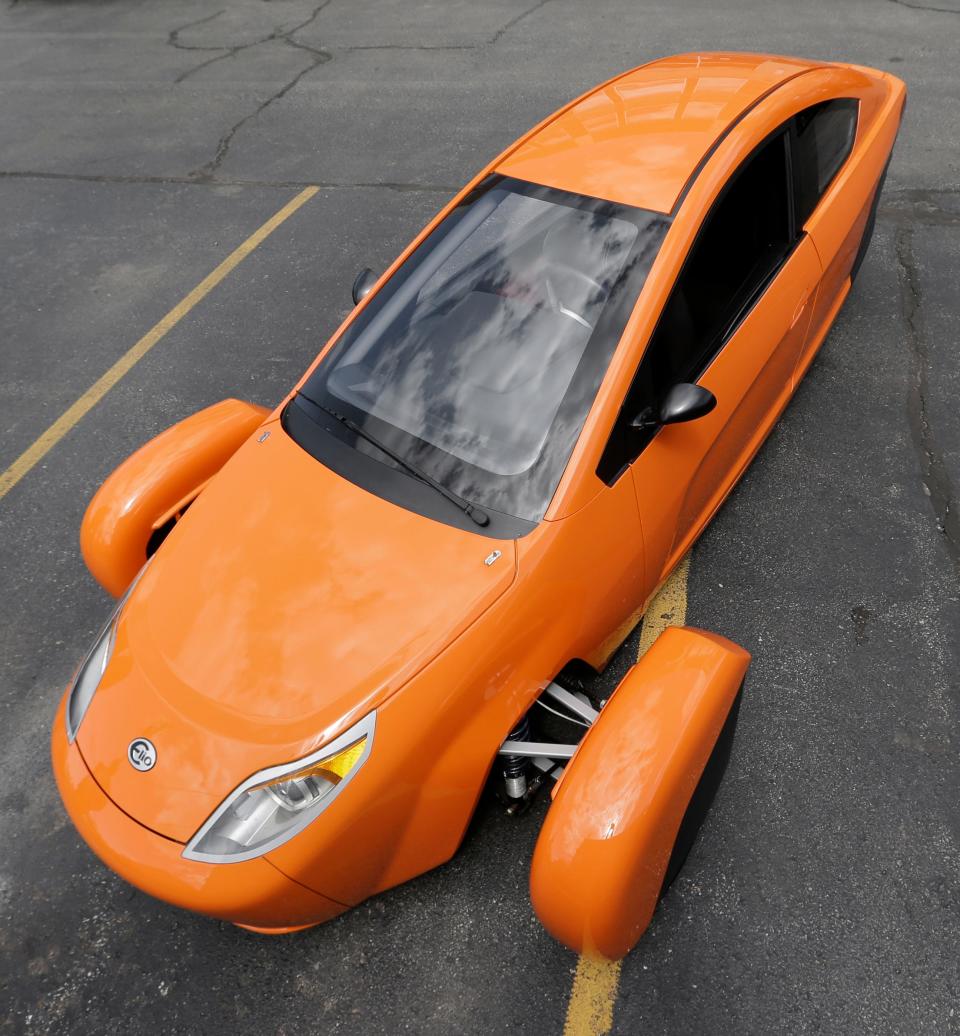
(640, 137)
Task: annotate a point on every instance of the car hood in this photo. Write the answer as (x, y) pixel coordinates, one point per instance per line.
(283, 607)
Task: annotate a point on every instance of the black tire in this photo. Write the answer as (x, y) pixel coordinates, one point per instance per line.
(703, 795)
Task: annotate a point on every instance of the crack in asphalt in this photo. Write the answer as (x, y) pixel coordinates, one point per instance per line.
(499, 34)
(406, 46)
(925, 7)
(232, 50)
(173, 37)
(936, 478)
(479, 45)
(904, 203)
(317, 57)
(190, 181)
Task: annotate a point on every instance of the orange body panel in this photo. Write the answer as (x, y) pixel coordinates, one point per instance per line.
(403, 589)
(253, 894)
(657, 122)
(160, 478)
(288, 603)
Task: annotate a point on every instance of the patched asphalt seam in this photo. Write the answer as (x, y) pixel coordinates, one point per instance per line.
(936, 478)
(904, 216)
(920, 206)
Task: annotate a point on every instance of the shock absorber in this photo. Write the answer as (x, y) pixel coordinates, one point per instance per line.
(515, 766)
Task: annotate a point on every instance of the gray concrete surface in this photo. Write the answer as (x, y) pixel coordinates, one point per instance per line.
(139, 143)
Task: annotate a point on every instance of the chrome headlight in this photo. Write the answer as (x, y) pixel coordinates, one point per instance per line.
(275, 804)
(91, 670)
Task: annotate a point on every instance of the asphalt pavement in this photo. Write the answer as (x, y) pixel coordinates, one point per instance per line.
(140, 143)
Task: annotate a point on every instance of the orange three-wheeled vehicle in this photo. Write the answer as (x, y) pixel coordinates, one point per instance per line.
(337, 618)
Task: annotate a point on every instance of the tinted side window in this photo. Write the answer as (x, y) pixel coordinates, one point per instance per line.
(742, 243)
(824, 138)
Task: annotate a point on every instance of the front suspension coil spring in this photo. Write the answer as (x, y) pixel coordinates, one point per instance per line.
(515, 766)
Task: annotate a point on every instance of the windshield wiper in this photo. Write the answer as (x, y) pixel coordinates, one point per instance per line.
(473, 512)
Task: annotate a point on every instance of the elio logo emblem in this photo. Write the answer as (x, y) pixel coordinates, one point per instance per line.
(142, 754)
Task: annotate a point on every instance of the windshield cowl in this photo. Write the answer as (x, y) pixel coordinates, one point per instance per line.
(334, 447)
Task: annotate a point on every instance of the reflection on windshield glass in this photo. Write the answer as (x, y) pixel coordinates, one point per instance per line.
(469, 356)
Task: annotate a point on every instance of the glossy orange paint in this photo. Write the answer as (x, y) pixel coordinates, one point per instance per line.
(288, 603)
(658, 122)
(602, 854)
(156, 483)
(230, 652)
(252, 894)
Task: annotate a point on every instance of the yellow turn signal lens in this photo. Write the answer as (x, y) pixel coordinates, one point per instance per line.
(332, 769)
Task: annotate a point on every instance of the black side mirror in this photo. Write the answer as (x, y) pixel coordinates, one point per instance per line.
(363, 284)
(684, 402)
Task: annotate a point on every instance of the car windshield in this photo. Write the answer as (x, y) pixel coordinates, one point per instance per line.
(480, 357)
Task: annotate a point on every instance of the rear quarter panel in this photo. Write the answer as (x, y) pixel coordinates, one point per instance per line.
(837, 224)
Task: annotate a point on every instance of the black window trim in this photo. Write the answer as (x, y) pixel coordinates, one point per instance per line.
(794, 144)
(726, 332)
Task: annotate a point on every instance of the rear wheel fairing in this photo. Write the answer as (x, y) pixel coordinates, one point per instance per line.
(604, 849)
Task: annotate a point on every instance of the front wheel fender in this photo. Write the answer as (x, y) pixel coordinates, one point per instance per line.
(155, 484)
(602, 855)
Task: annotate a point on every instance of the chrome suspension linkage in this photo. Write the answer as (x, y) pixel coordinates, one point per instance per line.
(518, 750)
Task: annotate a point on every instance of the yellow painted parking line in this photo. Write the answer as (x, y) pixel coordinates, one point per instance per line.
(34, 453)
(592, 998)
(594, 992)
(668, 608)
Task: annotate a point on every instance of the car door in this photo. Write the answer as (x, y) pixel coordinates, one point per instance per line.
(735, 322)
